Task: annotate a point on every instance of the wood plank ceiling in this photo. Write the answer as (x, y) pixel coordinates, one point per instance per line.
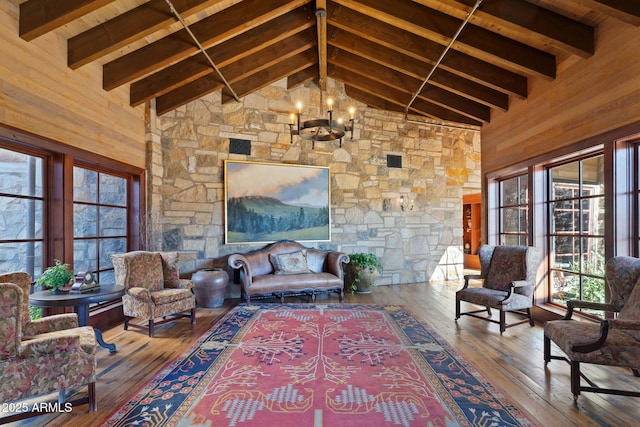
(449, 60)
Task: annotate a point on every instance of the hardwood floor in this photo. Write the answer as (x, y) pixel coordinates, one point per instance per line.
(513, 362)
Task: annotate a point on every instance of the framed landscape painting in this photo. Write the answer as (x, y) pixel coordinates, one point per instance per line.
(267, 202)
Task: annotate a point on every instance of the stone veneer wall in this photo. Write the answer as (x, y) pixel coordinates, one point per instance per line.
(187, 149)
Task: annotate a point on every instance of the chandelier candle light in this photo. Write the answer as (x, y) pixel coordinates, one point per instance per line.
(321, 129)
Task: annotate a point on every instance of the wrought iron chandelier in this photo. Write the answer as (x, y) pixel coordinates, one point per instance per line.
(321, 129)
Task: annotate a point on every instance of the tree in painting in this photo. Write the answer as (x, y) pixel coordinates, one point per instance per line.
(269, 202)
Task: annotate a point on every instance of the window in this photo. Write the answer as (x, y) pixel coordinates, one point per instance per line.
(576, 212)
(61, 202)
(514, 211)
(21, 212)
(99, 221)
(559, 206)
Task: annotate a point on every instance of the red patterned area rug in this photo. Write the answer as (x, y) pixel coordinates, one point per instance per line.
(318, 365)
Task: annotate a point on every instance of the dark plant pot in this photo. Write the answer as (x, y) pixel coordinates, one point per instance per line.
(367, 280)
(210, 287)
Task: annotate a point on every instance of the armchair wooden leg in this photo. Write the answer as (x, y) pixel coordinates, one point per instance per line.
(575, 379)
(151, 328)
(547, 350)
(193, 316)
(92, 397)
(457, 308)
(531, 322)
(126, 323)
(503, 321)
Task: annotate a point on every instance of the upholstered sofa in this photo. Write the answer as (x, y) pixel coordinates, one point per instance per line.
(287, 267)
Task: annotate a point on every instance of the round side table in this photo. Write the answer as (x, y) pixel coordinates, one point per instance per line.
(210, 286)
(80, 304)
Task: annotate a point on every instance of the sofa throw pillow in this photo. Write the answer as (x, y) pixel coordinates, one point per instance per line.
(291, 263)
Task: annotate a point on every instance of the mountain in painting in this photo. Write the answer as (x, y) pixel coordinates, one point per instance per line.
(270, 219)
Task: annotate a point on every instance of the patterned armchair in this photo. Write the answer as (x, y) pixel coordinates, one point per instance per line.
(41, 356)
(614, 341)
(509, 277)
(153, 288)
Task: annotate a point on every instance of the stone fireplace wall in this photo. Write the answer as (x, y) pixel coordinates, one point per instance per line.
(187, 148)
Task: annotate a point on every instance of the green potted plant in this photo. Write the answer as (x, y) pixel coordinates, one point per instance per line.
(361, 272)
(56, 277)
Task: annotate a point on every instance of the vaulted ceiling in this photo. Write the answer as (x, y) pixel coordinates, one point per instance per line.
(450, 60)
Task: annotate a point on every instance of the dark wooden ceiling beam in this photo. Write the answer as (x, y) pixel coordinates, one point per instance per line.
(267, 57)
(397, 80)
(456, 103)
(389, 94)
(195, 90)
(371, 100)
(521, 16)
(301, 77)
(321, 27)
(437, 112)
(169, 79)
(416, 68)
(234, 72)
(376, 72)
(272, 74)
(473, 40)
(243, 45)
(179, 45)
(398, 97)
(427, 50)
(558, 30)
(245, 73)
(379, 45)
(624, 10)
(506, 53)
(379, 103)
(38, 17)
(127, 27)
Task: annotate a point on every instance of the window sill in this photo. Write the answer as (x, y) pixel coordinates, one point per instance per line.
(546, 312)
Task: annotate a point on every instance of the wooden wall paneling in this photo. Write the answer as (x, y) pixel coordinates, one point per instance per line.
(589, 97)
(40, 94)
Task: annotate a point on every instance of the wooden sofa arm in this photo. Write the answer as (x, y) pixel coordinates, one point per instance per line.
(605, 326)
(468, 277)
(572, 304)
(521, 287)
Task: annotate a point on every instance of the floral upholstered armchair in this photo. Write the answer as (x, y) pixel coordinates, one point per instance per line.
(44, 355)
(614, 341)
(508, 275)
(153, 288)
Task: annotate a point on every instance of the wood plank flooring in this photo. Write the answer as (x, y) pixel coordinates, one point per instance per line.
(513, 362)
